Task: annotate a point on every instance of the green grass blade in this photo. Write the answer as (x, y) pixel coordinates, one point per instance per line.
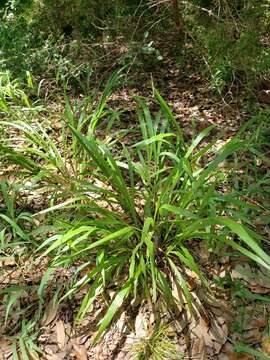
(114, 307)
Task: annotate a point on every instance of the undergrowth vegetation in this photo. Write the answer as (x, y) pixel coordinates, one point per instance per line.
(228, 42)
(126, 211)
(115, 208)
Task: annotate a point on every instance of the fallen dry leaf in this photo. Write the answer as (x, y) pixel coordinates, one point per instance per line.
(204, 252)
(50, 312)
(259, 289)
(240, 356)
(51, 349)
(59, 356)
(219, 331)
(5, 349)
(7, 261)
(141, 324)
(199, 349)
(228, 351)
(98, 351)
(243, 271)
(252, 336)
(255, 323)
(257, 280)
(80, 351)
(201, 330)
(214, 334)
(60, 334)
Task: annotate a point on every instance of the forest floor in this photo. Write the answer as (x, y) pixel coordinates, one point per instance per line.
(241, 312)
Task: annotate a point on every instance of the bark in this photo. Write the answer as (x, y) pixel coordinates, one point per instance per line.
(177, 17)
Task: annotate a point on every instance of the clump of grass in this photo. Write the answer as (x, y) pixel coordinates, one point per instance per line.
(11, 93)
(13, 232)
(129, 219)
(158, 346)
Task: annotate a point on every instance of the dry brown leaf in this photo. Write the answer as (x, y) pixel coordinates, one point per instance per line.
(68, 329)
(8, 261)
(219, 330)
(258, 281)
(243, 271)
(80, 351)
(141, 324)
(199, 349)
(51, 349)
(252, 336)
(192, 278)
(201, 330)
(59, 356)
(222, 356)
(225, 312)
(216, 347)
(5, 349)
(176, 295)
(228, 350)
(50, 312)
(57, 125)
(240, 356)
(214, 336)
(255, 323)
(60, 334)
(259, 289)
(120, 323)
(98, 351)
(204, 252)
(198, 310)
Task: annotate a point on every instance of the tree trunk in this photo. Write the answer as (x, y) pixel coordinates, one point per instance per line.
(177, 17)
